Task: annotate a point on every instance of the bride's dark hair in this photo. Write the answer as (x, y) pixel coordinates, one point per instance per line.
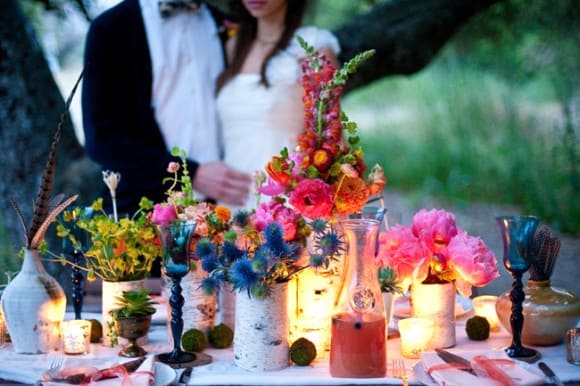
(246, 34)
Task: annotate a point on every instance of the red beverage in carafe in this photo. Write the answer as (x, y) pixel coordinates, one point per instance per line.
(358, 347)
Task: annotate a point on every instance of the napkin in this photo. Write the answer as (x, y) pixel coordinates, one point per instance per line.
(487, 363)
(144, 375)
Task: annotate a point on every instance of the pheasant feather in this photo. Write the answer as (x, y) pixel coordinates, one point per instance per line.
(45, 209)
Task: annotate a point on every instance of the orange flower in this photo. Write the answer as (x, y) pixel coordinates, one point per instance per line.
(278, 170)
(223, 213)
(351, 195)
(322, 160)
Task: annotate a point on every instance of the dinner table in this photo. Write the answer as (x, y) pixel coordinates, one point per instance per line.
(18, 369)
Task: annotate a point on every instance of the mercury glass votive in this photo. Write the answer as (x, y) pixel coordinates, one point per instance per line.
(573, 346)
(415, 335)
(484, 305)
(76, 336)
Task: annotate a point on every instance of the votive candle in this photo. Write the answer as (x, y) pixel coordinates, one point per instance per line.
(415, 335)
(76, 336)
(485, 306)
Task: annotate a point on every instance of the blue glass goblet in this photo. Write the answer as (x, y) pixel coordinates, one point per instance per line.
(517, 234)
(175, 241)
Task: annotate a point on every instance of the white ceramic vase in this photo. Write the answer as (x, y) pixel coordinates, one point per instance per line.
(110, 290)
(436, 302)
(261, 333)
(34, 305)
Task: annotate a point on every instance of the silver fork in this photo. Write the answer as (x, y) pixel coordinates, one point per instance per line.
(399, 371)
(52, 370)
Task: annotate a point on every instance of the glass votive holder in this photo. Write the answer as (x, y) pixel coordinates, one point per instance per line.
(573, 345)
(484, 305)
(76, 336)
(415, 335)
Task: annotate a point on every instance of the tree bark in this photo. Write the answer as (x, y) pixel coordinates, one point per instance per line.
(406, 34)
(30, 108)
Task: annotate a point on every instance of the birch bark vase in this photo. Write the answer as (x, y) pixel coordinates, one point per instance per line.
(199, 309)
(261, 333)
(436, 302)
(110, 290)
(227, 307)
(34, 305)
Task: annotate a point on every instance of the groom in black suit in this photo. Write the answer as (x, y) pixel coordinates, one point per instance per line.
(133, 99)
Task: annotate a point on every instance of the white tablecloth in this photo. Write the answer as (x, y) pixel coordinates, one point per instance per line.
(222, 371)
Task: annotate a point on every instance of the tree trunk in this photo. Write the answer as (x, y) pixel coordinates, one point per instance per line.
(406, 34)
(30, 109)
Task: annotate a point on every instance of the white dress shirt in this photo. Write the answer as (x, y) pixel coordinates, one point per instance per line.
(186, 58)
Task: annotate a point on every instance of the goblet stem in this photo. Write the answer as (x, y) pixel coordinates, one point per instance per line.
(77, 280)
(517, 296)
(176, 301)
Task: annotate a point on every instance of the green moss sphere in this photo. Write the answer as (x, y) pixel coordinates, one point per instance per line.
(302, 352)
(477, 328)
(96, 331)
(194, 340)
(221, 336)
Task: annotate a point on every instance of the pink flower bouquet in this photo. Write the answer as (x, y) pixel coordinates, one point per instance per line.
(434, 250)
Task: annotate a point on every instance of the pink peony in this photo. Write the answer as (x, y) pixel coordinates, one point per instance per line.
(402, 251)
(273, 211)
(163, 214)
(473, 262)
(435, 228)
(312, 198)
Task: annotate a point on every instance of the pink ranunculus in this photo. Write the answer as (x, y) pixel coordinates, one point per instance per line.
(273, 211)
(163, 214)
(402, 251)
(312, 198)
(473, 262)
(435, 228)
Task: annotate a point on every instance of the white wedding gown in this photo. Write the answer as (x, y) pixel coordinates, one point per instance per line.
(258, 122)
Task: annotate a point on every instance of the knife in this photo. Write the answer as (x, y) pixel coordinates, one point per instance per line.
(449, 357)
(550, 374)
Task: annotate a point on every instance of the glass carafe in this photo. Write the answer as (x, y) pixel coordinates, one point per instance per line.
(358, 341)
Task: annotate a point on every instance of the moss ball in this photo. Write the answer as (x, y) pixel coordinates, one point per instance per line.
(221, 336)
(194, 340)
(477, 328)
(96, 331)
(302, 352)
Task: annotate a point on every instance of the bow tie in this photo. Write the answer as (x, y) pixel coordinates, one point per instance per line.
(170, 7)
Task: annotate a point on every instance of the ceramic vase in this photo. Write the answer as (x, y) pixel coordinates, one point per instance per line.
(34, 305)
(548, 312)
(110, 290)
(261, 332)
(436, 301)
(199, 309)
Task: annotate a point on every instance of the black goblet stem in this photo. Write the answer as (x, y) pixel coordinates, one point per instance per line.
(176, 301)
(517, 297)
(77, 280)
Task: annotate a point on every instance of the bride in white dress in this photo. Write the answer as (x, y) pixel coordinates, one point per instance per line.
(260, 106)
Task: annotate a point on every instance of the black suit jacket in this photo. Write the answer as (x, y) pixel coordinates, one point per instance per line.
(121, 133)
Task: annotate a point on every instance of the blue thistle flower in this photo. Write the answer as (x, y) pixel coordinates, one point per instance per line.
(275, 240)
(230, 252)
(241, 218)
(317, 260)
(243, 276)
(205, 248)
(330, 243)
(210, 285)
(318, 225)
(209, 263)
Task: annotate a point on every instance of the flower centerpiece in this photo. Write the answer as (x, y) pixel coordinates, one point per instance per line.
(436, 257)
(324, 176)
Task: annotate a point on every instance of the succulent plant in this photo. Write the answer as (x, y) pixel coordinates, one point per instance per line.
(133, 303)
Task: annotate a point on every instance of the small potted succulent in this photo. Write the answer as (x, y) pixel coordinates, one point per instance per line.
(131, 320)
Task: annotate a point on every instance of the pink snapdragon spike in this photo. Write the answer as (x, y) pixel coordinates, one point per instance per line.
(313, 198)
(435, 228)
(163, 214)
(402, 251)
(273, 211)
(474, 263)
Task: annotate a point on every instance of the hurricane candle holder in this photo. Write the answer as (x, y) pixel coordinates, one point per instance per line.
(484, 305)
(76, 336)
(517, 234)
(415, 336)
